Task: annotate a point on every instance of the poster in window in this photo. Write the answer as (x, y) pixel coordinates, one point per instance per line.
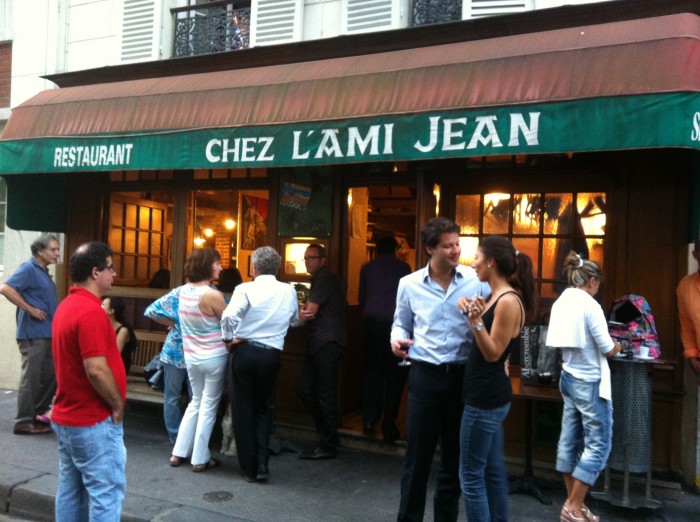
(254, 230)
(306, 202)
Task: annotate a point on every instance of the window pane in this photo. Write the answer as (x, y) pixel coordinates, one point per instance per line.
(468, 246)
(115, 239)
(130, 241)
(591, 207)
(467, 214)
(144, 242)
(144, 218)
(496, 213)
(558, 213)
(116, 211)
(156, 219)
(529, 246)
(131, 211)
(526, 213)
(554, 253)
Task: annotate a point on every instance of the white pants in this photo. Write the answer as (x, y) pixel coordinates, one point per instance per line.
(207, 380)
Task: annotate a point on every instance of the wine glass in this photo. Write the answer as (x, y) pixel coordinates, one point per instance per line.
(405, 361)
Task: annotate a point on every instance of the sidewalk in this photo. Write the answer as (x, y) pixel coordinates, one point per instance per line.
(358, 486)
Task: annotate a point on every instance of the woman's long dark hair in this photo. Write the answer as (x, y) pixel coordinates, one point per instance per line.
(516, 267)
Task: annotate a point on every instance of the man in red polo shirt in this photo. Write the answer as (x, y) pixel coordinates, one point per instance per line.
(89, 406)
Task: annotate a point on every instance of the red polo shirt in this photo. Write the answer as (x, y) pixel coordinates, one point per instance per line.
(81, 329)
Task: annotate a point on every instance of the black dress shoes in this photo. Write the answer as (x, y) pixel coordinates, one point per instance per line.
(263, 473)
(31, 428)
(318, 453)
(368, 430)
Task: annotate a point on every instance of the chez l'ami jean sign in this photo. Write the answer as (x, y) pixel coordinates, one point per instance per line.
(324, 143)
(582, 125)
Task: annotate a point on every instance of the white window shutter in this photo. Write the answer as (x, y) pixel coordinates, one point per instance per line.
(140, 31)
(482, 8)
(363, 16)
(275, 21)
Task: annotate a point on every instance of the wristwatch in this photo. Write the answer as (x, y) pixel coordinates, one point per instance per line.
(479, 326)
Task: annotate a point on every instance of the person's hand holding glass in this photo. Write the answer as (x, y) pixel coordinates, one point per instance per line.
(400, 348)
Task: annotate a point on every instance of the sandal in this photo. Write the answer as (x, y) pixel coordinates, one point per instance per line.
(175, 461)
(588, 514)
(567, 515)
(213, 463)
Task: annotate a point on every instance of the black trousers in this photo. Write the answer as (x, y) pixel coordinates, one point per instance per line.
(318, 389)
(384, 378)
(434, 415)
(252, 373)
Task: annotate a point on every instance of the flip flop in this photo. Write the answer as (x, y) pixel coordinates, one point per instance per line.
(213, 463)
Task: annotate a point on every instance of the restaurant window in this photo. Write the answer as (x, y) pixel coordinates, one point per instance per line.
(139, 234)
(544, 225)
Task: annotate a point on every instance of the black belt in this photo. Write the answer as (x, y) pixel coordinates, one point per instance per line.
(256, 344)
(443, 368)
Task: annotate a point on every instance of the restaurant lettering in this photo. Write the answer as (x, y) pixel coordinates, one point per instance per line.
(451, 133)
(695, 135)
(93, 155)
(377, 141)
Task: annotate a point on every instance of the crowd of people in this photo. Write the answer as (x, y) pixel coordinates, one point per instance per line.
(454, 326)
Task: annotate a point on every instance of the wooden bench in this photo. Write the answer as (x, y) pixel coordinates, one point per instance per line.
(148, 345)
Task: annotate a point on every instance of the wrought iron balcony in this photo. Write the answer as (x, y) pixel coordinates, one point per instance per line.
(436, 11)
(211, 28)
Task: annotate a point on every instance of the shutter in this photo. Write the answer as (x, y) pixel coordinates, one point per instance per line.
(275, 21)
(482, 8)
(362, 16)
(139, 32)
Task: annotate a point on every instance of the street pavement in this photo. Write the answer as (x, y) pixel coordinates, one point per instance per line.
(361, 485)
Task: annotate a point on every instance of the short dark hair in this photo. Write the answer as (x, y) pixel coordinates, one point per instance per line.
(87, 256)
(42, 243)
(319, 248)
(436, 227)
(266, 261)
(198, 264)
(387, 245)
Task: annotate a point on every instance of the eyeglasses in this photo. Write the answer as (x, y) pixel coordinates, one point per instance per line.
(108, 267)
(306, 258)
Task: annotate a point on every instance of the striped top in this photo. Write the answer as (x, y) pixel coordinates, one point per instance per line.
(201, 334)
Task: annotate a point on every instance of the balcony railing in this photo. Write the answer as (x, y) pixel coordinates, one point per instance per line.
(436, 11)
(211, 28)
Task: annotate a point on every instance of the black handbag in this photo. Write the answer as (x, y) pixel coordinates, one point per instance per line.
(540, 364)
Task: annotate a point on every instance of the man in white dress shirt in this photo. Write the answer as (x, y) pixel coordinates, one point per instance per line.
(253, 326)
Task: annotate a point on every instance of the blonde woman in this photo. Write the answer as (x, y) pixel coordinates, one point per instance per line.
(577, 325)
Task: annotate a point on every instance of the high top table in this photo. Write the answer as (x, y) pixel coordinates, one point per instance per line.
(631, 444)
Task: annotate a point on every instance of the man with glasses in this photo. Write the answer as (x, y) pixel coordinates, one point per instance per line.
(89, 407)
(318, 384)
(33, 292)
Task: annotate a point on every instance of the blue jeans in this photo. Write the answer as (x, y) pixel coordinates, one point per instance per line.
(482, 470)
(586, 430)
(174, 379)
(92, 472)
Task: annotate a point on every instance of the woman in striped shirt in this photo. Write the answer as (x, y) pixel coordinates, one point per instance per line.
(200, 311)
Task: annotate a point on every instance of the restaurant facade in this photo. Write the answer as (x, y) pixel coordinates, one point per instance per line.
(577, 129)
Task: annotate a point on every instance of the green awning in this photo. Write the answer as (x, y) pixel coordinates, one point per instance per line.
(614, 123)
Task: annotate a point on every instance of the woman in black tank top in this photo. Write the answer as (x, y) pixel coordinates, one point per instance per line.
(496, 326)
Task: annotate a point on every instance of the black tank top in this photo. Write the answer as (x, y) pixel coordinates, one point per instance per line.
(486, 384)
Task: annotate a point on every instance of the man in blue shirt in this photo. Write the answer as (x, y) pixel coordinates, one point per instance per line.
(430, 330)
(33, 291)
